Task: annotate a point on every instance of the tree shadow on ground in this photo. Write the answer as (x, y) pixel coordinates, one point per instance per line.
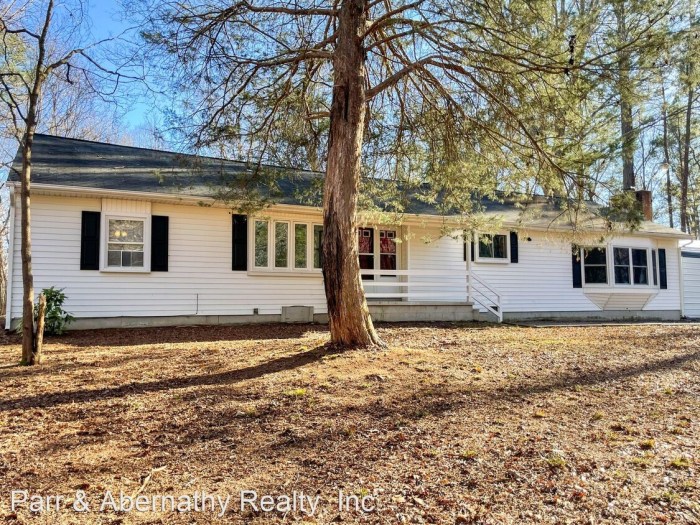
(546, 384)
(232, 376)
(117, 337)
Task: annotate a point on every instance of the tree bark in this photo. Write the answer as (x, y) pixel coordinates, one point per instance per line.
(26, 248)
(38, 355)
(350, 321)
(685, 169)
(667, 159)
(624, 87)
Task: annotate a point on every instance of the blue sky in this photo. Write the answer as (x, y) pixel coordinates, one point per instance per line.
(106, 20)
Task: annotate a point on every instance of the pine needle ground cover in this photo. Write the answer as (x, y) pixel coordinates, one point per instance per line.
(449, 424)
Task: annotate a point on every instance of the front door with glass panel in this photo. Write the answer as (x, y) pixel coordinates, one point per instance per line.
(377, 252)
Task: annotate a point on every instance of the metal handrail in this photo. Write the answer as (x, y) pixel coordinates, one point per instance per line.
(498, 311)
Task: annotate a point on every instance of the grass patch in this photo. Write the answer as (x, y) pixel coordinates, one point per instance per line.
(296, 392)
(680, 463)
(556, 462)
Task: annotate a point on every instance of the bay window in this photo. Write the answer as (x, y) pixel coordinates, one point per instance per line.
(629, 267)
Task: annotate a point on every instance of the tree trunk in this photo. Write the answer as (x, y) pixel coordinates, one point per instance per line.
(685, 169)
(624, 88)
(38, 354)
(350, 322)
(26, 249)
(667, 159)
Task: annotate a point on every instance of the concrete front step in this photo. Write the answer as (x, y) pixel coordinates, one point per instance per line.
(397, 311)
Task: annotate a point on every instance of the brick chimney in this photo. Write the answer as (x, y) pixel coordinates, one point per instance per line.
(644, 200)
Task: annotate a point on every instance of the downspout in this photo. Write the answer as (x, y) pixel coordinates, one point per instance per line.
(10, 258)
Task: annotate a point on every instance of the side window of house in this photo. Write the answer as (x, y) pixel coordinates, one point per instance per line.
(631, 266)
(125, 243)
(595, 266)
(493, 246)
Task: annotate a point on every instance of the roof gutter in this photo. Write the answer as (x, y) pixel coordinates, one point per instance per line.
(195, 200)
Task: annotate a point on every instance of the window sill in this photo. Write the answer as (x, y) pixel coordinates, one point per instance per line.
(278, 272)
(591, 288)
(124, 270)
(492, 261)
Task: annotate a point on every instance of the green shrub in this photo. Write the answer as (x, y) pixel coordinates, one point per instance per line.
(56, 319)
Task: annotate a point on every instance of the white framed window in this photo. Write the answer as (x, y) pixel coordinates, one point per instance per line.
(634, 266)
(281, 246)
(301, 245)
(492, 247)
(126, 244)
(619, 266)
(594, 261)
(261, 246)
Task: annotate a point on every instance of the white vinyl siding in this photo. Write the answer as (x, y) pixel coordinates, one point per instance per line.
(443, 255)
(199, 280)
(691, 281)
(542, 280)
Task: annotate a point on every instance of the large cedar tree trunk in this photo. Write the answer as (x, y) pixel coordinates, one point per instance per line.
(350, 322)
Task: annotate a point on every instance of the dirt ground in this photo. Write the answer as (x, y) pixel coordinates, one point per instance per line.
(449, 424)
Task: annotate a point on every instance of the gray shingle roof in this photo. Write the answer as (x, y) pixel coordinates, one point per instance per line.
(84, 164)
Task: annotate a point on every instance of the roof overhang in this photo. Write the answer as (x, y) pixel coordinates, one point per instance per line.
(192, 200)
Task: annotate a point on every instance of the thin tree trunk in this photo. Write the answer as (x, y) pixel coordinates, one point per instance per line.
(38, 355)
(28, 334)
(667, 161)
(26, 251)
(685, 173)
(350, 322)
(625, 91)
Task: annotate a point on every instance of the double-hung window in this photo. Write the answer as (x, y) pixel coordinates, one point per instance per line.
(595, 266)
(493, 247)
(631, 266)
(125, 243)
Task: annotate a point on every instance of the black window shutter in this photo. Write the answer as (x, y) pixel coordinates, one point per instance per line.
(654, 266)
(471, 244)
(240, 243)
(576, 266)
(663, 283)
(90, 241)
(464, 255)
(159, 243)
(513, 247)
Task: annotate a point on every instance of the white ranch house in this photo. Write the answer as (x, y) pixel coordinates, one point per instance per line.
(124, 231)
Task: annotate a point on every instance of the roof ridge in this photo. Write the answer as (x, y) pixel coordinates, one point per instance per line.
(169, 152)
